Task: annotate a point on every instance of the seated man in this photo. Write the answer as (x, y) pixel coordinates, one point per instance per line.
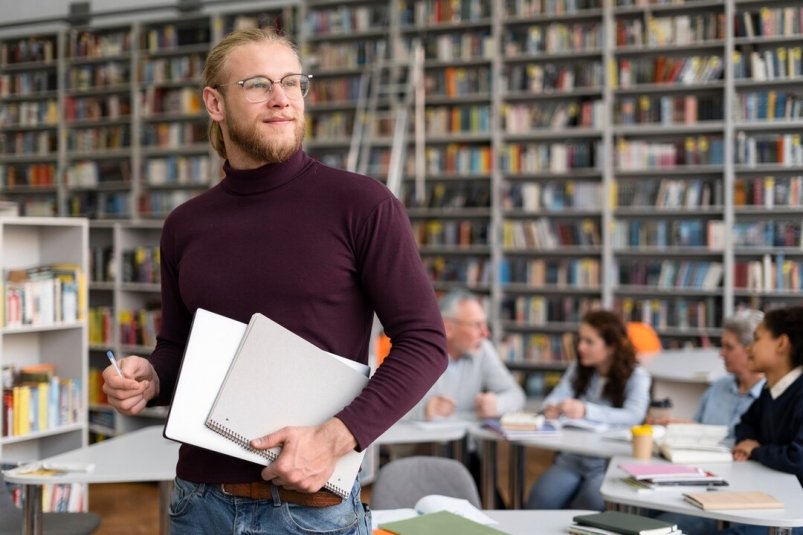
(476, 383)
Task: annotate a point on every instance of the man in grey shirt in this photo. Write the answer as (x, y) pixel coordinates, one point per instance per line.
(476, 383)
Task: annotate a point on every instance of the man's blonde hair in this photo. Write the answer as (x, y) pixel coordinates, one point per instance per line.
(215, 62)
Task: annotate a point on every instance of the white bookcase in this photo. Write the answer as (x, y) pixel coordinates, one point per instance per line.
(124, 302)
(32, 242)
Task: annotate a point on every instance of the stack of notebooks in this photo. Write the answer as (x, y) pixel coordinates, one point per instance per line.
(652, 476)
(522, 425)
(238, 382)
(695, 443)
(617, 523)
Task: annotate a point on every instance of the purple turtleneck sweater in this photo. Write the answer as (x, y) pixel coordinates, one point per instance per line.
(317, 250)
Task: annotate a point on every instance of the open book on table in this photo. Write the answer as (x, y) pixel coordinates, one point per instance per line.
(442, 514)
(695, 443)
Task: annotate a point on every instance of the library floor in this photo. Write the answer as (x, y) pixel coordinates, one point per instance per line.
(132, 508)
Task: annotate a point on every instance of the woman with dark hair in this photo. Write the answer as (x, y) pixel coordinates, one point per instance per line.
(605, 385)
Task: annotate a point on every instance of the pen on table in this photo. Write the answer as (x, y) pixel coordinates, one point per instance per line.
(113, 360)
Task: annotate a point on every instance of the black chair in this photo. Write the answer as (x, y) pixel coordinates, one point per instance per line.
(11, 520)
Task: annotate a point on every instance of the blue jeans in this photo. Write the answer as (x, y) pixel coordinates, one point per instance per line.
(199, 508)
(572, 482)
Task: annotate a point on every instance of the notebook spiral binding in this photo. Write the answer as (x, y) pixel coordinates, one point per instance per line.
(267, 454)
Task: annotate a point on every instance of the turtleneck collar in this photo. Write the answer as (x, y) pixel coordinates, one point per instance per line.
(264, 178)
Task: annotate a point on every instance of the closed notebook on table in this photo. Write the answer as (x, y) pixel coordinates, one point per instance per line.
(625, 523)
(709, 501)
(440, 523)
(278, 379)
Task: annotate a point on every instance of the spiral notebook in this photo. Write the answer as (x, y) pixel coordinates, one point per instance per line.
(279, 379)
(211, 347)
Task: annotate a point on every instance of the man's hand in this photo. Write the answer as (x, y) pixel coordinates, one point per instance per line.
(742, 450)
(551, 412)
(572, 408)
(130, 393)
(308, 455)
(439, 407)
(485, 405)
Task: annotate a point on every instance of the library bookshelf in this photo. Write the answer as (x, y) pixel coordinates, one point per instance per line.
(43, 341)
(641, 155)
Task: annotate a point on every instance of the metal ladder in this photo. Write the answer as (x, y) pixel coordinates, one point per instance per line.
(403, 99)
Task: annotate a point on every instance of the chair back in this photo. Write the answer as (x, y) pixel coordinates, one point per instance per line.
(402, 482)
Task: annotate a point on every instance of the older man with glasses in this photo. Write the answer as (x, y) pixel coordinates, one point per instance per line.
(476, 383)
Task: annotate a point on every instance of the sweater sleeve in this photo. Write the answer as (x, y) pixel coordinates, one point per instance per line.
(176, 322)
(563, 390)
(637, 400)
(395, 283)
(782, 449)
(704, 400)
(750, 422)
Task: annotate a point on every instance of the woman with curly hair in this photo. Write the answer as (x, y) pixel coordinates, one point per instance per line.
(605, 385)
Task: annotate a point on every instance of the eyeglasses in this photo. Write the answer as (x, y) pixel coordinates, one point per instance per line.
(259, 88)
(478, 324)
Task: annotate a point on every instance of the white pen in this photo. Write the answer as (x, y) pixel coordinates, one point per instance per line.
(113, 360)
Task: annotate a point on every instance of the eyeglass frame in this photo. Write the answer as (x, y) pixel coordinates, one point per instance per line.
(269, 92)
(476, 324)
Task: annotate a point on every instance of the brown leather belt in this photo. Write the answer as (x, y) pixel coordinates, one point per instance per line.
(261, 490)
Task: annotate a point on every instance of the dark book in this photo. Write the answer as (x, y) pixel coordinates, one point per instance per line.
(625, 523)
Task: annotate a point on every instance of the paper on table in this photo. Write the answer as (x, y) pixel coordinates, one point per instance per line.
(50, 469)
(432, 503)
(436, 502)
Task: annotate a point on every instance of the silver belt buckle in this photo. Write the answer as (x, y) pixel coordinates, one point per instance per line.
(223, 489)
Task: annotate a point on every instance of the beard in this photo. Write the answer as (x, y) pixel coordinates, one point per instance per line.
(258, 146)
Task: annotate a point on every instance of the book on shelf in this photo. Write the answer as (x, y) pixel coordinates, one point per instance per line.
(625, 523)
(713, 501)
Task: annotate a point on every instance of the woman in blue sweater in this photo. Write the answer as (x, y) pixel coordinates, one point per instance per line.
(606, 385)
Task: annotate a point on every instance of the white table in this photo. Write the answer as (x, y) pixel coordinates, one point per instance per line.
(748, 475)
(409, 432)
(683, 375)
(141, 455)
(569, 440)
(523, 522)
